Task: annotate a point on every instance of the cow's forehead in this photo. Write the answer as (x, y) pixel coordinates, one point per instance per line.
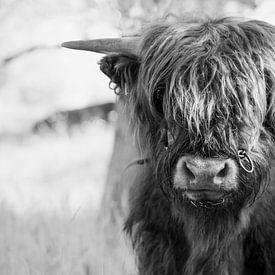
(210, 70)
(227, 38)
(251, 33)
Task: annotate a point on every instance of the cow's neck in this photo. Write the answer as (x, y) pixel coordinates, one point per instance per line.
(215, 244)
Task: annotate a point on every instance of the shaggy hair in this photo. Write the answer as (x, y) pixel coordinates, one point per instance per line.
(203, 88)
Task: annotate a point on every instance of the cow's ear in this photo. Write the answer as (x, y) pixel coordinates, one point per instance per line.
(122, 70)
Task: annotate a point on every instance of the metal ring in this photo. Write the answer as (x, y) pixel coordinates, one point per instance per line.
(243, 155)
(193, 203)
(207, 204)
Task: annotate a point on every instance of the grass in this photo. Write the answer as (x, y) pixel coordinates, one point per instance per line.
(50, 192)
(46, 244)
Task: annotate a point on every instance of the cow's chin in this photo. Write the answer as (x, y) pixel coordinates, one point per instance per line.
(222, 201)
(206, 198)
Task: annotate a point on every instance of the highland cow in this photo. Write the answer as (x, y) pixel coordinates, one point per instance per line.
(201, 100)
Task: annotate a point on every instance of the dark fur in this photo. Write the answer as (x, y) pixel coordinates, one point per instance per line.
(203, 88)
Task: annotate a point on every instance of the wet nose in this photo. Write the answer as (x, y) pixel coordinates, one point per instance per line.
(206, 173)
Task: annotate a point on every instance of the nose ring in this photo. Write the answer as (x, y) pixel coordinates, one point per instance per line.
(244, 157)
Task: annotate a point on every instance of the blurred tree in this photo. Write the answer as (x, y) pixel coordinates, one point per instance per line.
(11, 58)
(134, 13)
(32, 67)
(114, 207)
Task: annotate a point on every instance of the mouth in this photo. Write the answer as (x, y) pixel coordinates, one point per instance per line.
(206, 198)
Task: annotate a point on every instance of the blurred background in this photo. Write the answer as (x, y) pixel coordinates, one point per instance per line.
(57, 122)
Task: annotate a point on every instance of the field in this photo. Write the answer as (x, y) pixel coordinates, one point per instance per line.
(50, 191)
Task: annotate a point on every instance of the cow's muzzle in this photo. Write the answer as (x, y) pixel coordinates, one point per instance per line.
(206, 180)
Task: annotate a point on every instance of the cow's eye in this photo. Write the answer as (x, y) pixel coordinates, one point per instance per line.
(170, 138)
(158, 99)
(167, 137)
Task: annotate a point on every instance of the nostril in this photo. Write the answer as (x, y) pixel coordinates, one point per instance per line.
(188, 172)
(196, 174)
(223, 172)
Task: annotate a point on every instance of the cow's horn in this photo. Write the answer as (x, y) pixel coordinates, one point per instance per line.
(106, 45)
